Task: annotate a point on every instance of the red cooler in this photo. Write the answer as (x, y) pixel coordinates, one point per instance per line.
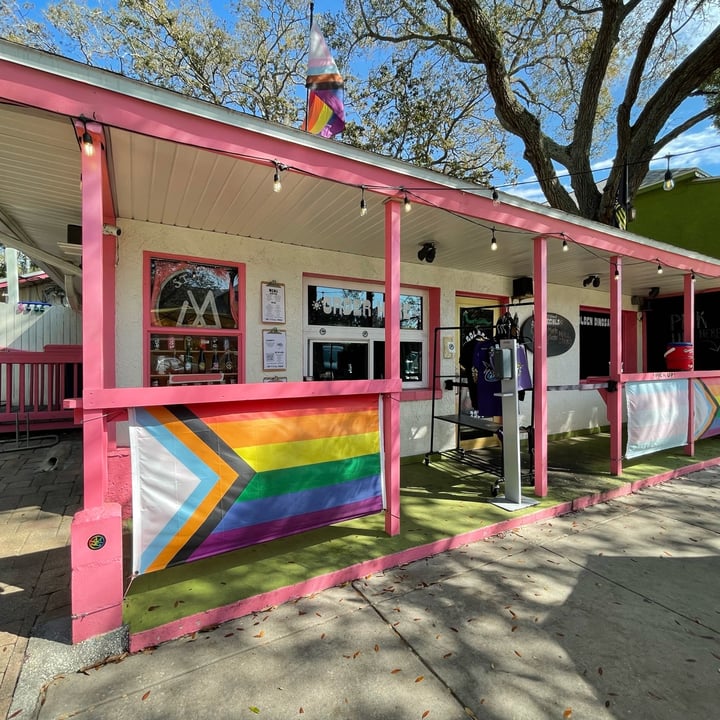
(679, 356)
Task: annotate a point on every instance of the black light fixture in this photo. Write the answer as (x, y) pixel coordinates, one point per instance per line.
(407, 205)
(427, 252)
(668, 182)
(565, 246)
(593, 280)
(653, 292)
(363, 204)
(493, 242)
(495, 197)
(659, 269)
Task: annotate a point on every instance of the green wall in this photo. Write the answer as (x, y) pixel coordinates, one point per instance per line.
(688, 216)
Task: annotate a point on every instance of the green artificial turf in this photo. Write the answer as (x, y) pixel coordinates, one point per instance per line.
(438, 501)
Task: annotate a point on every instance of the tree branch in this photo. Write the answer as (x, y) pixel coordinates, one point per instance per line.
(540, 150)
(690, 74)
(676, 132)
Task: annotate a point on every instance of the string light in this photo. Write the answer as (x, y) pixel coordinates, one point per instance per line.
(277, 184)
(86, 140)
(692, 276)
(668, 182)
(407, 205)
(495, 197)
(617, 273)
(363, 204)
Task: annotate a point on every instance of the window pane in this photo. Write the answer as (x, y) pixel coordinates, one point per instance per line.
(411, 368)
(191, 294)
(339, 360)
(345, 307)
(411, 312)
(594, 344)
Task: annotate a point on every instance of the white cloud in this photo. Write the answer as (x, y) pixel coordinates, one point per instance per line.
(697, 148)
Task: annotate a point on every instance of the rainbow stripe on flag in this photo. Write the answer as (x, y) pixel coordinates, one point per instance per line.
(325, 107)
(210, 479)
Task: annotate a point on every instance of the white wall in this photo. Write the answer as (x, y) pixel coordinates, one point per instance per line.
(264, 261)
(29, 330)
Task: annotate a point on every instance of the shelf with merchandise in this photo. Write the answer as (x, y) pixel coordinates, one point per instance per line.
(198, 358)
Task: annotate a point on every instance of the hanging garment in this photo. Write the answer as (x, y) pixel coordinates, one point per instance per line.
(487, 389)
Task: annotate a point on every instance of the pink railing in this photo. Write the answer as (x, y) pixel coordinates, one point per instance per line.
(34, 386)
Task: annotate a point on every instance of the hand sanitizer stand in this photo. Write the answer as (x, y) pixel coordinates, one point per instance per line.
(504, 361)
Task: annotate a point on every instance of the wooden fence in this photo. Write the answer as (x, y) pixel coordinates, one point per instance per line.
(40, 366)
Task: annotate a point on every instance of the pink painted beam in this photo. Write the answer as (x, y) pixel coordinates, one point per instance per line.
(689, 336)
(391, 401)
(614, 399)
(540, 374)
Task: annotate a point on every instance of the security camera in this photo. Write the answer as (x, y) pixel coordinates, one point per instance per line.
(111, 230)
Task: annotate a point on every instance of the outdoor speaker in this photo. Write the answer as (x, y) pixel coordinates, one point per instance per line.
(522, 287)
(74, 234)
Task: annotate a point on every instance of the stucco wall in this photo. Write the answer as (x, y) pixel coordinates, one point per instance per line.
(568, 410)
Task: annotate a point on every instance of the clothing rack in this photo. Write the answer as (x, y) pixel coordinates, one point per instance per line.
(475, 458)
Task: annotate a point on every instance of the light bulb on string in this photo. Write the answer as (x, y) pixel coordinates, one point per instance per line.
(495, 197)
(86, 140)
(277, 183)
(87, 143)
(493, 242)
(565, 246)
(659, 269)
(363, 204)
(407, 205)
(668, 182)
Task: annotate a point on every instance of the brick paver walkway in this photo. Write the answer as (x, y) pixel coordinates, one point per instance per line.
(40, 490)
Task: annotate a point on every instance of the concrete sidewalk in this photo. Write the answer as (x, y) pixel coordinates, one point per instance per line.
(612, 612)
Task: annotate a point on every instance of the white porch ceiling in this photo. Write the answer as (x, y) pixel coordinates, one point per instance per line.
(162, 182)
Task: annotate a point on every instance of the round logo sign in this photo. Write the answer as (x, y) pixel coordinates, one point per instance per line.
(560, 334)
(96, 542)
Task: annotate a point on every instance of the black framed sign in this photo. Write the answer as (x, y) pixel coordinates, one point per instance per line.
(560, 334)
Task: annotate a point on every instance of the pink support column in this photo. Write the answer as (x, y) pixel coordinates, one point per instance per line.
(96, 532)
(614, 398)
(391, 401)
(689, 337)
(540, 374)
